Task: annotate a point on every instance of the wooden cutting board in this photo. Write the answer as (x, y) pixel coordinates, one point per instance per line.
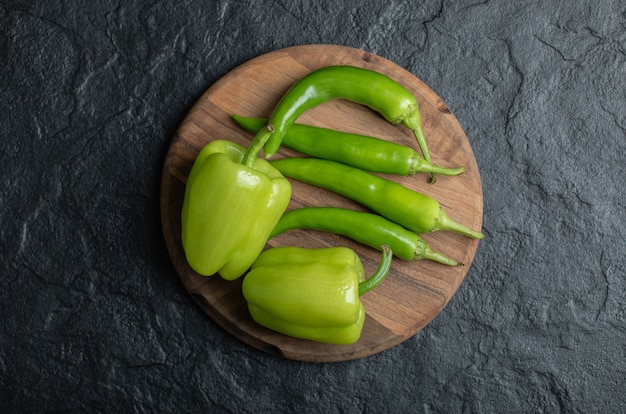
(414, 292)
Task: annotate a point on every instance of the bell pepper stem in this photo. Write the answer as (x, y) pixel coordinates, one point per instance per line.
(381, 272)
(444, 222)
(259, 140)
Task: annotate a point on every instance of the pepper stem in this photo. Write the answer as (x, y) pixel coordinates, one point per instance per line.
(414, 123)
(420, 165)
(378, 276)
(423, 251)
(443, 222)
(259, 140)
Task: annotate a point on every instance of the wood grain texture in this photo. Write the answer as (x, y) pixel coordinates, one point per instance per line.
(414, 292)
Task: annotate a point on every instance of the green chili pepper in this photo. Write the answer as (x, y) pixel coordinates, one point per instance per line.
(311, 293)
(366, 87)
(411, 209)
(366, 228)
(367, 153)
(230, 208)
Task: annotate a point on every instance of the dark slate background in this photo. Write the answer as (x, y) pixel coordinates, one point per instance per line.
(93, 316)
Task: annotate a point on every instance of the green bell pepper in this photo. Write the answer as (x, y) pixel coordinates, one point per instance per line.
(311, 293)
(233, 200)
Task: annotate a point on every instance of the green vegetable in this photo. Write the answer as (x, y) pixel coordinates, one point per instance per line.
(410, 209)
(366, 87)
(311, 293)
(232, 202)
(360, 151)
(366, 228)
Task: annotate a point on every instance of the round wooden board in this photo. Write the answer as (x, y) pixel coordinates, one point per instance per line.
(414, 292)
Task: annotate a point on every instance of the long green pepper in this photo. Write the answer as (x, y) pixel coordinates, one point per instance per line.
(360, 151)
(366, 228)
(410, 209)
(363, 86)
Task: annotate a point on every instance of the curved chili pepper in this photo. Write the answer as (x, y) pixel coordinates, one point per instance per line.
(408, 208)
(366, 228)
(363, 86)
(361, 151)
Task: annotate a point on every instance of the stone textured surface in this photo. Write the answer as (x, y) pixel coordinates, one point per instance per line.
(94, 318)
